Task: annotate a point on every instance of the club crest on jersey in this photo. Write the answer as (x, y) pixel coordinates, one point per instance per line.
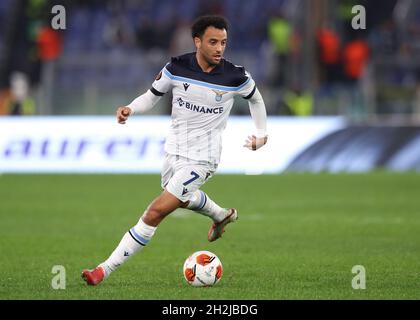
(219, 94)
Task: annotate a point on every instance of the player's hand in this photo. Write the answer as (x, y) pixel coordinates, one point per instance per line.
(122, 114)
(253, 143)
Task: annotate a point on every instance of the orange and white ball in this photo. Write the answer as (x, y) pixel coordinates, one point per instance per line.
(203, 269)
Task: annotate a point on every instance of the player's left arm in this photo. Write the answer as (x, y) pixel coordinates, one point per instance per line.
(250, 92)
(259, 116)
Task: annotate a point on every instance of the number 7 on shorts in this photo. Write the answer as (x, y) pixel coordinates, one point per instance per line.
(195, 177)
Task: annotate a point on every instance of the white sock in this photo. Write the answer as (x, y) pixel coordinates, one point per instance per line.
(133, 241)
(200, 202)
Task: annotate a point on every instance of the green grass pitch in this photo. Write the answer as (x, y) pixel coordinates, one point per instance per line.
(298, 236)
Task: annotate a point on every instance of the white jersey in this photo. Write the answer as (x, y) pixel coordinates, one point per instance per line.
(201, 104)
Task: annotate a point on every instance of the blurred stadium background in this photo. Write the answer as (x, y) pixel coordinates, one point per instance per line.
(339, 100)
(305, 56)
(111, 50)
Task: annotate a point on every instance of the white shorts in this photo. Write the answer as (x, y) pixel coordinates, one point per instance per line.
(182, 176)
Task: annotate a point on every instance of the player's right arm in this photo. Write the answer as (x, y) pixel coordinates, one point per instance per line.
(148, 100)
(139, 105)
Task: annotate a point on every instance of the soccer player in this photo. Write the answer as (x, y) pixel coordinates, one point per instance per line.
(203, 86)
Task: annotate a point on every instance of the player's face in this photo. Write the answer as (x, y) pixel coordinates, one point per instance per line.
(212, 45)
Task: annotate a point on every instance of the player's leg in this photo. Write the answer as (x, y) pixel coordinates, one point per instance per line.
(186, 183)
(136, 238)
(201, 203)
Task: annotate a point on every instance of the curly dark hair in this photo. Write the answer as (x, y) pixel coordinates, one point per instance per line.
(202, 23)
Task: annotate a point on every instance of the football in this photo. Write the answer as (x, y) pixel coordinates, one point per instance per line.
(203, 269)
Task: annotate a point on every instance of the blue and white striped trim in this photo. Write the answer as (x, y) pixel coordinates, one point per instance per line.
(138, 237)
(203, 200)
(205, 84)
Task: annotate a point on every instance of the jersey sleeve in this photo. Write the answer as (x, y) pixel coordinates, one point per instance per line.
(162, 83)
(247, 89)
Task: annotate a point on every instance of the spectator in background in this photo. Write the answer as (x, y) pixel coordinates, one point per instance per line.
(329, 54)
(32, 42)
(355, 55)
(279, 32)
(49, 42)
(17, 100)
(299, 102)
